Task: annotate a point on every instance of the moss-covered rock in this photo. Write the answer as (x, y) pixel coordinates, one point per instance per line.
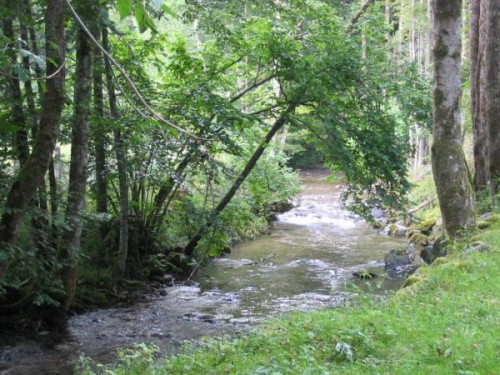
(425, 226)
(484, 224)
(418, 238)
(476, 247)
(413, 279)
(490, 217)
(397, 230)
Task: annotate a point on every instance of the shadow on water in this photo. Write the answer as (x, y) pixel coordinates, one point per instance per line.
(302, 265)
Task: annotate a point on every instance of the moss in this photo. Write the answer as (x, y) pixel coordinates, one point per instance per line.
(483, 224)
(440, 261)
(419, 239)
(440, 50)
(413, 279)
(493, 218)
(475, 238)
(427, 224)
(439, 97)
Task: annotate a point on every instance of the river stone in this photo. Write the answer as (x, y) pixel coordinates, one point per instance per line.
(476, 247)
(378, 213)
(418, 238)
(399, 263)
(396, 230)
(436, 250)
(426, 226)
(490, 217)
(282, 206)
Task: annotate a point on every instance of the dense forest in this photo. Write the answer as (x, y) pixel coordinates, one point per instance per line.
(143, 137)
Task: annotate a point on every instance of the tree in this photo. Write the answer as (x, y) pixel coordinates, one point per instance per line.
(71, 236)
(485, 92)
(31, 175)
(479, 131)
(490, 90)
(450, 171)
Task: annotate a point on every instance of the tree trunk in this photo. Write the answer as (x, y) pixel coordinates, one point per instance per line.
(278, 124)
(99, 135)
(121, 161)
(32, 173)
(165, 190)
(478, 126)
(71, 236)
(490, 94)
(448, 162)
(14, 88)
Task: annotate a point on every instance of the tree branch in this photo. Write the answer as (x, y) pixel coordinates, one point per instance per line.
(153, 113)
(357, 16)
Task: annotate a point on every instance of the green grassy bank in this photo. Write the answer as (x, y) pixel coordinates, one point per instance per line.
(446, 323)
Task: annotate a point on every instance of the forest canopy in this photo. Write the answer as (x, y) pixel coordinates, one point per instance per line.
(140, 136)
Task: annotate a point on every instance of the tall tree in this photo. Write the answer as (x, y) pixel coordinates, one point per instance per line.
(485, 92)
(71, 237)
(450, 171)
(479, 131)
(16, 98)
(490, 93)
(99, 134)
(121, 160)
(32, 173)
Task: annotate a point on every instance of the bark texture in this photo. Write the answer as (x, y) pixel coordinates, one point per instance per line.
(32, 174)
(448, 162)
(479, 130)
(121, 161)
(491, 91)
(99, 134)
(71, 236)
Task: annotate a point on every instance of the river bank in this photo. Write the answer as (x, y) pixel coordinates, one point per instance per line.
(303, 264)
(446, 322)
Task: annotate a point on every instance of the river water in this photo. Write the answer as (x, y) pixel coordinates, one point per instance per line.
(303, 264)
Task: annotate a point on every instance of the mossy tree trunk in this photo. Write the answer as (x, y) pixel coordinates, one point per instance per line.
(490, 92)
(450, 171)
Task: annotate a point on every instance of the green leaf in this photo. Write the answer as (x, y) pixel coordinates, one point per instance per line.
(168, 10)
(144, 21)
(140, 16)
(124, 8)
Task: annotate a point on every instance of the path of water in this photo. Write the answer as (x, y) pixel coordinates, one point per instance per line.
(303, 264)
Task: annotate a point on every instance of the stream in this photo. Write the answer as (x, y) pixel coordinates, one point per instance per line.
(303, 264)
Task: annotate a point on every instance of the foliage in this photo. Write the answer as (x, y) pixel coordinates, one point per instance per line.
(224, 71)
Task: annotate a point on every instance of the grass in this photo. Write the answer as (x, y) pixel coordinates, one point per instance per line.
(448, 323)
